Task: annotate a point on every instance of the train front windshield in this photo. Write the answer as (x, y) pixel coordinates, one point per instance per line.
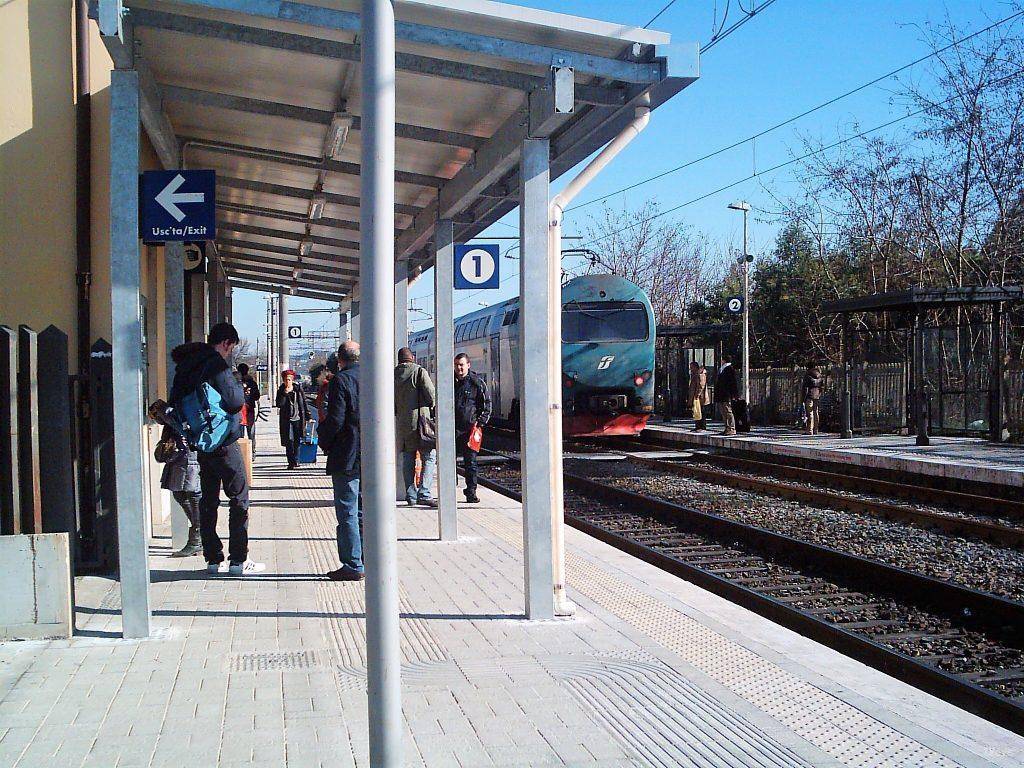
(604, 321)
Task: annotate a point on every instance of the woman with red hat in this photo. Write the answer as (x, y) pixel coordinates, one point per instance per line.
(292, 415)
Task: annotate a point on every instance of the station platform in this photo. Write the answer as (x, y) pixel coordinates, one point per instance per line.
(960, 458)
(269, 670)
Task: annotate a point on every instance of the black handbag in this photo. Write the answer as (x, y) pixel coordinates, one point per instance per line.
(426, 428)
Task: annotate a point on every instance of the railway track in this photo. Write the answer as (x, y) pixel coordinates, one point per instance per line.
(1000, 521)
(961, 644)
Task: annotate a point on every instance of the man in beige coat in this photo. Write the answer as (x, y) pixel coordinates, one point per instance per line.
(414, 396)
(699, 398)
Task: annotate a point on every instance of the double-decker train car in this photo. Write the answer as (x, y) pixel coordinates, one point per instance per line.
(607, 355)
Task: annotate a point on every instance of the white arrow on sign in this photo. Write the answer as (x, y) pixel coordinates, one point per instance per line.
(169, 197)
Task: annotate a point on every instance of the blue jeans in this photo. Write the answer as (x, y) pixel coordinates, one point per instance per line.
(412, 493)
(346, 506)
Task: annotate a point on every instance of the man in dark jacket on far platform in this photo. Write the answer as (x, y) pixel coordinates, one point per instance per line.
(472, 408)
(727, 389)
(338, 434)
(199, 363)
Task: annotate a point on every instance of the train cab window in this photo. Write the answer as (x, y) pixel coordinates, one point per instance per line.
(459, 332)
(604, 321)
(506, 319)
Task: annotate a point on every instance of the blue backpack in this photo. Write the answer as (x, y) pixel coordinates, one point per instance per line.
(201, 420)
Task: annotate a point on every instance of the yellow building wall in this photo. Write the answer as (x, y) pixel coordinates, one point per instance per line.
(37, 175)
(37, 166)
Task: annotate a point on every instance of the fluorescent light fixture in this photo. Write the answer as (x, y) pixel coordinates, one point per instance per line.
(296, 273)
(305, 246)
(316, 207)
(740, 206)
(341, 124)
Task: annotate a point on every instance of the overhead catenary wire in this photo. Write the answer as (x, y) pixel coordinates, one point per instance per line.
(791, 161)
(800, 116)
(656, 15)
(720, 35)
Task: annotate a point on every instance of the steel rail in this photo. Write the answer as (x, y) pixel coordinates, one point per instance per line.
(953, 688)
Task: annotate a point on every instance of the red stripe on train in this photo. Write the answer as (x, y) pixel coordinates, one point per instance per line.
(596, 425)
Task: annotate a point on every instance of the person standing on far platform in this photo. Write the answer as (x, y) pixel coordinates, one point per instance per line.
(811, 394)
(472, 409)
(698, 395)
(292, 415)
(727, 389)
(415, 399)
(338, 433)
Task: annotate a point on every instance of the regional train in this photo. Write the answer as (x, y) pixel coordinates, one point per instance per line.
(607, 355)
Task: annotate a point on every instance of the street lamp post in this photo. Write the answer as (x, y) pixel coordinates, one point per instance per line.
(745, 260)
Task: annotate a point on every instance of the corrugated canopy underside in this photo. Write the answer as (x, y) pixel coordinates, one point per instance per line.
(252, 90)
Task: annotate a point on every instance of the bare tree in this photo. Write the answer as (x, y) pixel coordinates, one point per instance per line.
(675, 266)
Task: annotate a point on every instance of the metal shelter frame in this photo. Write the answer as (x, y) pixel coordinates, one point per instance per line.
(713, 332)
(354, 144)
(915, 302)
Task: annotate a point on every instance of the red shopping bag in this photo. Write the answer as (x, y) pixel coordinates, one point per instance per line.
(476, 437)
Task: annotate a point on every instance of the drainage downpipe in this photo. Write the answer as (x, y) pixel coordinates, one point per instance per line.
(556, 209)
(83, 278)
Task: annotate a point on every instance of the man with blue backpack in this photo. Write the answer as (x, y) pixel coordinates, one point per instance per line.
(207, 399)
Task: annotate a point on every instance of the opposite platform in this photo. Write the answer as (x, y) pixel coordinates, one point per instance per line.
(960, 458)
(270, 670)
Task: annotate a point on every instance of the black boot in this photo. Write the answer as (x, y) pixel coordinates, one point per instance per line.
(194, 546)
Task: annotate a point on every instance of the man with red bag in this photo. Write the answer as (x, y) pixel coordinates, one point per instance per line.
(472, 411)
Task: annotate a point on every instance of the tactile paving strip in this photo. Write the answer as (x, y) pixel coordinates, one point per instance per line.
(668, 720)
(836, 727)
(345, 600)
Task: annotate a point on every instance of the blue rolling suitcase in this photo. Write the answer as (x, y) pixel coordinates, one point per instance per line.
(307, 446)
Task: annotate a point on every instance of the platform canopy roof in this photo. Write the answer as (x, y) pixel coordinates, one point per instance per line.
(922, 298)
(266, 92)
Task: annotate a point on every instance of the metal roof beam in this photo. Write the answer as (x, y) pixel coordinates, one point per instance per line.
(311, 281)
(313, 266)
(511, 50)
(291, 251)
(536, 118)
(284, 234)
(330, 49)
(121, 48)
(277, 213)
(304, 161)
(311, 115)
(302, 194)
(251, 284)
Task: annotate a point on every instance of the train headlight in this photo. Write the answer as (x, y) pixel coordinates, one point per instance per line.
(638, 380)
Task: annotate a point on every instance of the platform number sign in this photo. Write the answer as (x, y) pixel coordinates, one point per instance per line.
(294, 331)
(477, 266)
(734, 305)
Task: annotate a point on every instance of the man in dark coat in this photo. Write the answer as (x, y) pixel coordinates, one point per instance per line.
(338, 435)
(727, 389)
(199, 363)
(472, 408)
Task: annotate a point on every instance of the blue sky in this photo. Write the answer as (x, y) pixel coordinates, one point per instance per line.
(792, 56)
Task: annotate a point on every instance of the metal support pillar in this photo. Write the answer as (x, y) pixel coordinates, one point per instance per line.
(538, 485)
(995, 386)
(920, 401)
(444, 346)
(401, 340)
(126, 355)
(377, 416)
(283, 360)
(846, 406)
(198, 317)
(174, 334)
